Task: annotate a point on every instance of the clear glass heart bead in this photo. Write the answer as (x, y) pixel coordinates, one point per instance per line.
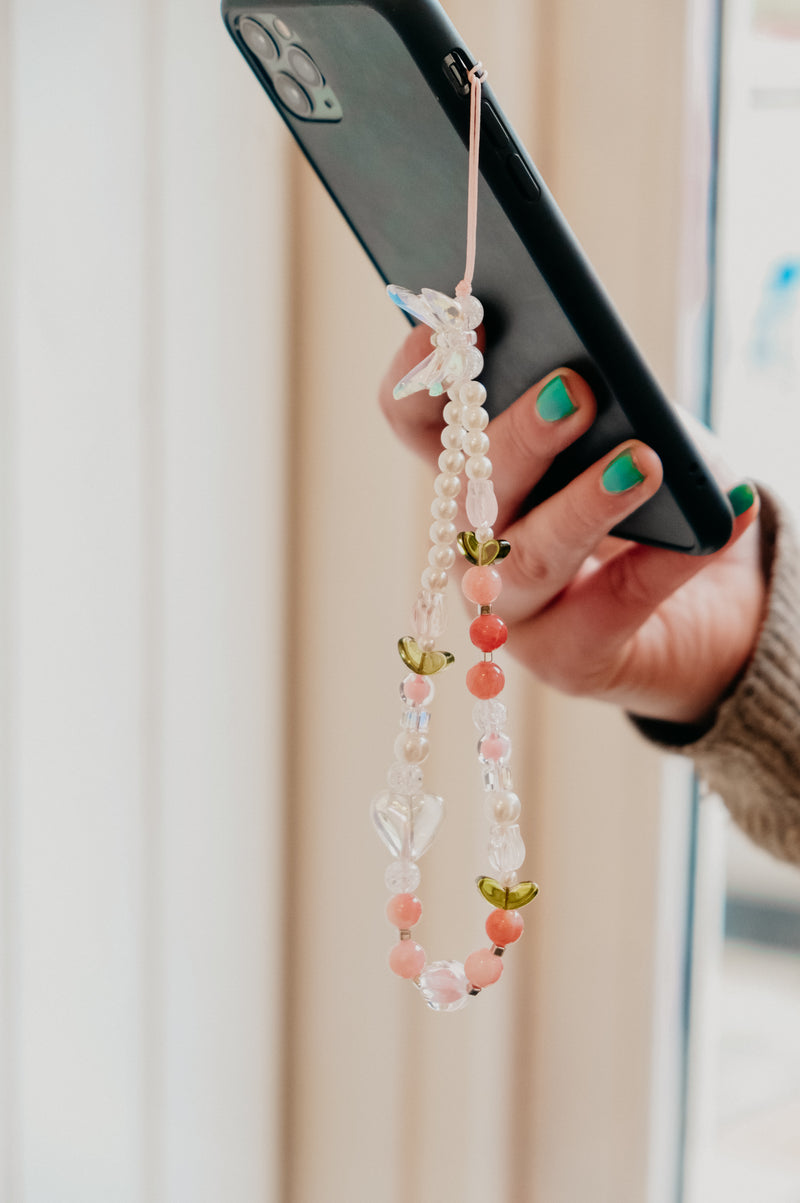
(407, 825)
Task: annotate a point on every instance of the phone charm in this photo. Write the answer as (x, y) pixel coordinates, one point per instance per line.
(406, 818)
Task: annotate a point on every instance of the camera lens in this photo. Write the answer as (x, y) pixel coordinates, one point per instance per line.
(305, 68)
(292, 95)
(256, 38)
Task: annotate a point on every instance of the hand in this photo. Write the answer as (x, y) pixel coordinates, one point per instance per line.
(662, 634)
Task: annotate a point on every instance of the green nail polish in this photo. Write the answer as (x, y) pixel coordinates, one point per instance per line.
(741, 498)
(622, 474)
(554, 402)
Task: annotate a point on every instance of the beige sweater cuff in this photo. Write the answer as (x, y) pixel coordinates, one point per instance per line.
(751, 755)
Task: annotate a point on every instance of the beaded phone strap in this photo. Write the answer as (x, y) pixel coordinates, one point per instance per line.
(406, 818)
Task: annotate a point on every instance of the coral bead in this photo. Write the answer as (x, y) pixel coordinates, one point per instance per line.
(483, 968)
(504, 927)
(481, 584)
(485, 680)
(407, 959)
(488, 632)
(404, 910)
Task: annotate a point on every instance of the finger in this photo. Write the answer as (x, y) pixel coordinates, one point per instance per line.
(550, 544)
(628, 589)
(526, 437)
(416, 420)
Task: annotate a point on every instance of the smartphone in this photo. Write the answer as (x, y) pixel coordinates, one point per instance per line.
(375, 93)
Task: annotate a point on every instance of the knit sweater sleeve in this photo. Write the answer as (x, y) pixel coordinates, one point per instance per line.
(751, 754)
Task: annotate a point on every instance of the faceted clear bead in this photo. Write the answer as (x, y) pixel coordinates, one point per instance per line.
(404, 778)
(489, 715)
(496, 776)
(407, 825)
(416, 719)
(402, 877)
(444, 986)
(506, 848)
(429, 616)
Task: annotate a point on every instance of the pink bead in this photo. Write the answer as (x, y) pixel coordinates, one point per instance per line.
(481, 584)
(504, 927)
(407, 959)
(417, 689)
(483, 968)
(403, 911)
(485, 680)
(495, 747)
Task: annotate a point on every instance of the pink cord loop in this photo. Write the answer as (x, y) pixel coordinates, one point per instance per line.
(477, 77)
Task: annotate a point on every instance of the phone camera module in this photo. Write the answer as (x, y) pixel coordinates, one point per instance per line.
(292, 95)
(257, 40)
(304, 67)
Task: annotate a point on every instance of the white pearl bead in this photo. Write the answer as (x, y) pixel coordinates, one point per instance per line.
(452, 438)
(472, 393)
(503, 807)
(434, 579)
(452, 412)
(451, 461)
(444, 507)
(474, 417)
(479, 467)
(476, 442)
(427, 644)
(447, 484)
(441, 557)
(411, 747)
(442, 532)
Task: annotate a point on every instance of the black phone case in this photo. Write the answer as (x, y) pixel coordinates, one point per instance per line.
(391, 148)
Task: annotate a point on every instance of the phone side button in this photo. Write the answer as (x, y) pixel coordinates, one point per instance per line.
(523, 178)
(492, 127)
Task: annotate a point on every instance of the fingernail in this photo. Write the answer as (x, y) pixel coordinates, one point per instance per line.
(622, 474)
(741, 498)
(554, 402)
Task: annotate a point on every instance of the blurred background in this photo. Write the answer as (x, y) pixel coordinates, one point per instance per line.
(206, 538)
